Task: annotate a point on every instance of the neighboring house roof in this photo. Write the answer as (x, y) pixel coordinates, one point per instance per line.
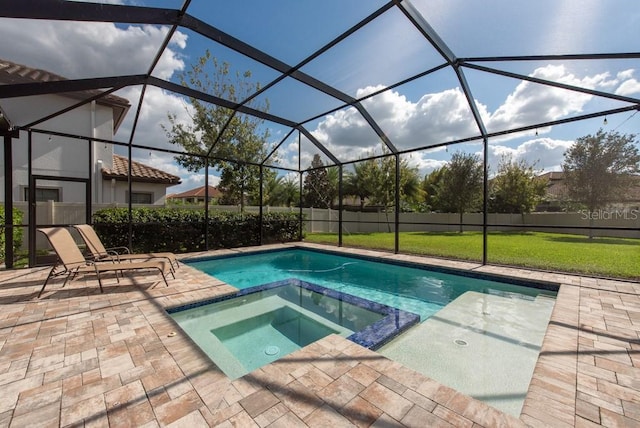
(139, 172)
(13, 73)
(557, 188)
(198, 192)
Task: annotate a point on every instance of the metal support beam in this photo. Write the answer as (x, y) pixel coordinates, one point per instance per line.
(319, 145)
(206, 204)
(485, 199)
(8, 203)
(72, 85)
(79, 11)
(261, 211)
(340, 207)
(397, 206)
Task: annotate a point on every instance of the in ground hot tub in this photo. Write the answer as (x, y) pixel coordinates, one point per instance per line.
(259, 325)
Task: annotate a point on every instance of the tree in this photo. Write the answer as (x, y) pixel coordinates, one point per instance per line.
(360, 183)
(235, 141)
(270, 188)
(289, 192)
(460, 189)
(333, 177)
(516, 189)
(600, 168)
(384, 186)
(429, 188)
(281, 191)
(375, 180)
(317, 187)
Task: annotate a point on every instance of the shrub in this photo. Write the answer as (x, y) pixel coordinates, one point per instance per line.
(17, 231)
(183, 230)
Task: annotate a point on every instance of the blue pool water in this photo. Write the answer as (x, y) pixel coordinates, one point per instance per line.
(259, 325)
(420, 291)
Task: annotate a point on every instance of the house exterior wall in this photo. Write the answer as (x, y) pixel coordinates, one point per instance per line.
(67, 157)
(55, 155)
(116, 191)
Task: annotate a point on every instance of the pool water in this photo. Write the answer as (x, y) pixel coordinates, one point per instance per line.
(477, 334)
(261, 339)
(420, 291)
(259, 325)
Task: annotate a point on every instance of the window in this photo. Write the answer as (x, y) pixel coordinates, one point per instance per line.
(141, 198)
(44, 194)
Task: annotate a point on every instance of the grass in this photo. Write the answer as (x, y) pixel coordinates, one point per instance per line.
(610, 257)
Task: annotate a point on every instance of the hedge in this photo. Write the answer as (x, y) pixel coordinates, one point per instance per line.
(17, 231)
(182, 230)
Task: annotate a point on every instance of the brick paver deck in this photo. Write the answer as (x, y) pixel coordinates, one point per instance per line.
(78, 357)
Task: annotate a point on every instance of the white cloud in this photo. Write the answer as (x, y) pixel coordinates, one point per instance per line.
(628, 87)
(445, 116)
(545, 154)
(434, 118)
(625, 74)
(153, 115)
(87, 49)
(531, 103)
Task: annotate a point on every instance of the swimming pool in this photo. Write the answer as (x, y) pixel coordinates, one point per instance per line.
(479, 334)
(403, 286)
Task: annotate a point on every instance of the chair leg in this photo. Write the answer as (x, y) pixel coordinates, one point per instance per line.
(165, 278)
(45, 282)
(100, 280)
(70, 277)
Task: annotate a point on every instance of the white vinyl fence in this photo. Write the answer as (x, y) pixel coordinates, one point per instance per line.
(326, 220)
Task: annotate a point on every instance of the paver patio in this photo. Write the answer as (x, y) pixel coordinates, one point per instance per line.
(78, 357)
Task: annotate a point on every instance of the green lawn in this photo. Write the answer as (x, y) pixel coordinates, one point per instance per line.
(611, 257)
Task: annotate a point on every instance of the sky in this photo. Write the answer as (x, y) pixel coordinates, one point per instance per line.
(427, 111)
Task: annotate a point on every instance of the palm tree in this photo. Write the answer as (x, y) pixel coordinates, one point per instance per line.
(360, 183)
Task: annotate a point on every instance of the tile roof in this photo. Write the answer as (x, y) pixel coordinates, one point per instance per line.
(214, 192)
(139, 172)
(14, 73)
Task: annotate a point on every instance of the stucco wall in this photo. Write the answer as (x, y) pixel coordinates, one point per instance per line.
(55, 155)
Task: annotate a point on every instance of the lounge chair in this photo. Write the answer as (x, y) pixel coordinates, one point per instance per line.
(100, 253)
(71, 261)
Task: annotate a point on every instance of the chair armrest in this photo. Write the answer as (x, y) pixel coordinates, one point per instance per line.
(118, 250)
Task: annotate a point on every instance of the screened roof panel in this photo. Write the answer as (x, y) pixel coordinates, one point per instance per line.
(348, 135)
(503, 27)
(619, 77)
(377, 45)
(271, 27)
(308, 150)
(159, 112)
(245, 138)
(386, 51)
(283, 143)
(515, 103)
(424, 112)
(544, 148)
(233, 69)
(297, 101)
(80, 50)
